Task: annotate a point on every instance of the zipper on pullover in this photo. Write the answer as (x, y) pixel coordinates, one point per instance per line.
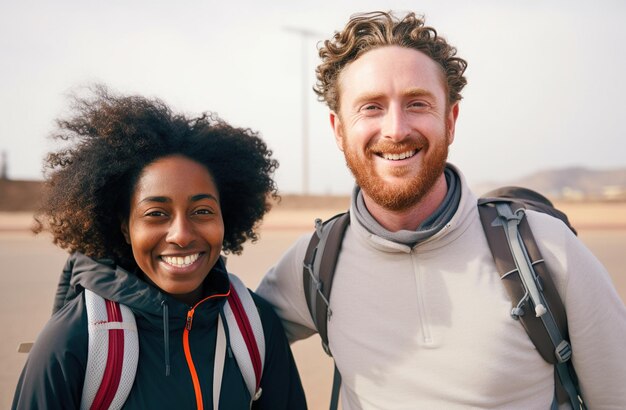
(421, 305)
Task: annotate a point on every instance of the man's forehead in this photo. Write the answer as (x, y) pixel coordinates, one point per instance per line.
(402, 66)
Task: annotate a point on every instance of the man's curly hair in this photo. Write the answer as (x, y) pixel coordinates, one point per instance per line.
(110, 139)
(367, 31)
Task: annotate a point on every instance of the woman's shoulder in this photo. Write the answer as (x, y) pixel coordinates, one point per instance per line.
(65, 334)
(54, 372)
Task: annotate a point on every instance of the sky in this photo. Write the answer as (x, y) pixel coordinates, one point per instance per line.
(546, 86)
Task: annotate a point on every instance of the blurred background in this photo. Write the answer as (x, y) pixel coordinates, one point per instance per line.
(545, 89)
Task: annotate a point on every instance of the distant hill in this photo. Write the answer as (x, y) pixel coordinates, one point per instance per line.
(575, 183)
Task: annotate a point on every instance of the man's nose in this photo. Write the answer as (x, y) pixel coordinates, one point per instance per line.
(181, 232)
(395, 124)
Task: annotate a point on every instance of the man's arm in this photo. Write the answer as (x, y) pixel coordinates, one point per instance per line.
(282, 286)
(595, 313)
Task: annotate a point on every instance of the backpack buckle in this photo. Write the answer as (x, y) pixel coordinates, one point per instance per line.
(563, 351)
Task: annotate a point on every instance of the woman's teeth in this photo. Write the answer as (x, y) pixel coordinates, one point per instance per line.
(180, 261)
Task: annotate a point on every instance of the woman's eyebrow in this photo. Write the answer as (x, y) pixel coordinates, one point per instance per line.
(161, 199)
(198, 197)
(164, 199)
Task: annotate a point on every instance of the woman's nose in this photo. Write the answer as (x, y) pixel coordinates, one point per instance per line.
(181, 232)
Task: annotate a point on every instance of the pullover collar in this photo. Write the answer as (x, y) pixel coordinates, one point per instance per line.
(433, 224)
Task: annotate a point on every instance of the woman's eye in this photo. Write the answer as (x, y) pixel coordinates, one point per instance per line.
(204, 212)
(155, 213)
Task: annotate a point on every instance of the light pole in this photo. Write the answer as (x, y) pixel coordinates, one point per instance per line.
(304, 106)
(4, 167)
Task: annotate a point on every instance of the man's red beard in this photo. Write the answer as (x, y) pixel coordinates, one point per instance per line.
(394, 197)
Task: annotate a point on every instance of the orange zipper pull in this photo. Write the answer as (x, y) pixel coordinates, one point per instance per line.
(189, 319)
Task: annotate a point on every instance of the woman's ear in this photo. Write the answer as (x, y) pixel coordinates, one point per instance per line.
(125, 232)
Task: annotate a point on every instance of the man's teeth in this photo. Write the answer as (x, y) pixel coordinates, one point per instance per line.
(180, 261)
(397, 157)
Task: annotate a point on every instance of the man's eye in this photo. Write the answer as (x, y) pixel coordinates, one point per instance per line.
(370, 107)
(204, 212)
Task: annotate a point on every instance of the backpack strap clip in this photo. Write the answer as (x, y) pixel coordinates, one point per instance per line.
(511, 221)
(563, 351)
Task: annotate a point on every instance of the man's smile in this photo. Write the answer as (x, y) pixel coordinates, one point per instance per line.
(398, 157)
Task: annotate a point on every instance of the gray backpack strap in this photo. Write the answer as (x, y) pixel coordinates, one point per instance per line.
(318, 273)
(528, 282)
(319, 270)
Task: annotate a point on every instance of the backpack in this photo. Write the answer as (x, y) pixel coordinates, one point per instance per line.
(113, 351)
(535, 300)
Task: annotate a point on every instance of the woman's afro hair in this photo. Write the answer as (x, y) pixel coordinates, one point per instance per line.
(109, 139)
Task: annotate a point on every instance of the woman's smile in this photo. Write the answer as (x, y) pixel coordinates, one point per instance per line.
(180, 261)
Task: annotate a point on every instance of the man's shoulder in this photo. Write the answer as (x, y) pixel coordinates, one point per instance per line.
(547, 226)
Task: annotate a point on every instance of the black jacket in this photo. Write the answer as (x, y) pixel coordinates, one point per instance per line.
(54, 372)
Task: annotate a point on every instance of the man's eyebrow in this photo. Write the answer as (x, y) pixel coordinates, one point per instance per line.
(418, 92)
(374, 96)
(368, 96)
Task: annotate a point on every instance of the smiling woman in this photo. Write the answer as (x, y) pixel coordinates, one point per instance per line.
(175, 226)
(146, 201)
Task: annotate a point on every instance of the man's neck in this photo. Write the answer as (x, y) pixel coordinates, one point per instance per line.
(411, 218)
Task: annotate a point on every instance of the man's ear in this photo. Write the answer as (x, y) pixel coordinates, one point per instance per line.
(335, 123)
(125, 231)
(453, 114)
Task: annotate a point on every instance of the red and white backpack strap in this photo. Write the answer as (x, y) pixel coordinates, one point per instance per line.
(247, 340)
(112, 356)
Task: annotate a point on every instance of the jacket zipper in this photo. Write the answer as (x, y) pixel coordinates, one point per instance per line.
(190, 364)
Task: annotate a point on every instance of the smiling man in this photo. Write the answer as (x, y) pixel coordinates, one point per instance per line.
(394, 128)
(420, 318)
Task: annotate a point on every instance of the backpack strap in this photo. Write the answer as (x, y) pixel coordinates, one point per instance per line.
(318, 273)
(220, 357)
(319, 270)
(112, 354)
(247, 339)
(531, 289)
